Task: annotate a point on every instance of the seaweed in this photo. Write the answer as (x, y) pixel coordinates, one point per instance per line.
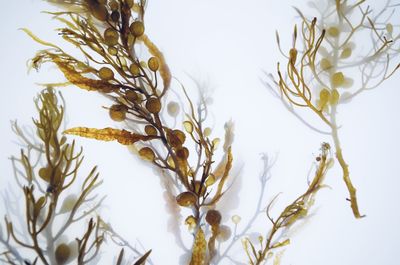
(164, 124)
(324, 58)
(48, 173)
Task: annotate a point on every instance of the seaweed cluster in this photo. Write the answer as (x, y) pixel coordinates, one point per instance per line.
(162, 123)
(48, 173)
(325, 68)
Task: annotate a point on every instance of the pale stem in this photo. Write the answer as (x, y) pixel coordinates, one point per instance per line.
(345, 168)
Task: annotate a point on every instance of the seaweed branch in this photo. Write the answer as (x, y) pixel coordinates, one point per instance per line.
(291, 214)
(48, 188)
(108, 34)
(321, 67)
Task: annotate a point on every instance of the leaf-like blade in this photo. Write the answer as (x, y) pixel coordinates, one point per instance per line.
(155, 51)
(224, 177)
(81, 81)
(38, 40)
(109, 134)
(142, 260)
(120, 257)
(199, 249)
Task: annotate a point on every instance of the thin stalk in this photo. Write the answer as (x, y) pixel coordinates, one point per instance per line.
(335, 136)
(345, 168)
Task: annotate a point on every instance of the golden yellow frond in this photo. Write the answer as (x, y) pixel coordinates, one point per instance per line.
(164, 70)
(109, 134)
(80, 81)
(199, 249)
(38, 40)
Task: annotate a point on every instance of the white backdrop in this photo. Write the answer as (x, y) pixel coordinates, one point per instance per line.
(227, 43)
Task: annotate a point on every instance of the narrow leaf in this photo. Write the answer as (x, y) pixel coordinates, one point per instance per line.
(38, 40)
(281, 244)
(224, 177)
(120, 257)
(142, 260)
(109, 134)
(79, 80)
(164, 69)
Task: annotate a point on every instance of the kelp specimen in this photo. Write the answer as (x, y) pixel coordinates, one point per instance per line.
(110, 36)
(139, 97)
(107, 34)
(48, 173)
(325, 68)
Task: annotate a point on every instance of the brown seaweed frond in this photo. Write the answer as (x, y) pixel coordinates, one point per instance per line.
(108, 35)
(292, 214)
(47, 174)
(327, 69)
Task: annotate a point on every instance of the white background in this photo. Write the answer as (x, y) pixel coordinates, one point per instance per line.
(227, 43)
